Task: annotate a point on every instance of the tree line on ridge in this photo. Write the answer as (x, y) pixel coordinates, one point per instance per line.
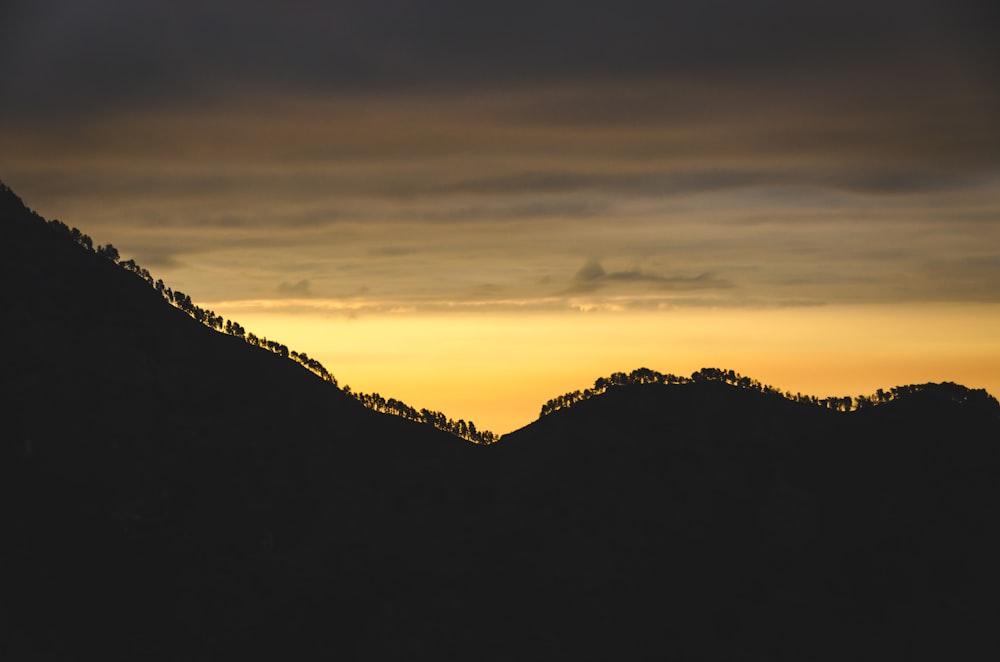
(183, 302)
(466, 429)
(842, 404)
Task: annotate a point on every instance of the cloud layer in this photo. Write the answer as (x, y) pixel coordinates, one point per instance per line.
(540, 155)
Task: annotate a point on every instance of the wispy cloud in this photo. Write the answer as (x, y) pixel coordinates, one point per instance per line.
(592, 277)
(298, 289)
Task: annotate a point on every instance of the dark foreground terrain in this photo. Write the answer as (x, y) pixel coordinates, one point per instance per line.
(169, 492)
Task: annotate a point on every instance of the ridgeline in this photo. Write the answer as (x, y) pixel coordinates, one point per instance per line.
(173, 486)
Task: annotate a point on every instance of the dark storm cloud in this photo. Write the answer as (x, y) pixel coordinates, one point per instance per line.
(65, 57)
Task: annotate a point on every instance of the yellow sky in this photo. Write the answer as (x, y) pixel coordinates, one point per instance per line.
(485, 258)
(497, 370)
(429, 201)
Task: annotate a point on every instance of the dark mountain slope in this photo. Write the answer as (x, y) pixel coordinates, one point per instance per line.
(160, 478)
(755, 527)
(169, 492)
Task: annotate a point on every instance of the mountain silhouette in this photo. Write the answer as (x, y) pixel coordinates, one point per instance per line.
(171, 492)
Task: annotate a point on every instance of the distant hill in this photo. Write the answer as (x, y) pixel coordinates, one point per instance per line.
(169, 491)
(759, 527)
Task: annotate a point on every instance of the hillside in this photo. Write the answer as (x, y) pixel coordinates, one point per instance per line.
(761, 528)
(173, 492)
(160, 477)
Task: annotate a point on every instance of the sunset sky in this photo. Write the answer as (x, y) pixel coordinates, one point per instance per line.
(476, 206)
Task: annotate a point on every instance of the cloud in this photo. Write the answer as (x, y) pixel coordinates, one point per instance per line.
(61, 57)
(592, 277)
(699, 282)
(898, 181)
(590, 272)
(300, 289)
(390, 251)
(500, 209)
(894, 178)
(787, 146)
(153, 257)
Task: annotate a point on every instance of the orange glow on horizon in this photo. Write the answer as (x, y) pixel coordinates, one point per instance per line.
(497, 370)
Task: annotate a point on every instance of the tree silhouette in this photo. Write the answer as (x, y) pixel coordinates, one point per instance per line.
(180, 300)
(108, 252)
(645, 376)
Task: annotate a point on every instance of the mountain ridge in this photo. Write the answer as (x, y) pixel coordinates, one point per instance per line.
(33, 226)
(11, 205)
(169, 492)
